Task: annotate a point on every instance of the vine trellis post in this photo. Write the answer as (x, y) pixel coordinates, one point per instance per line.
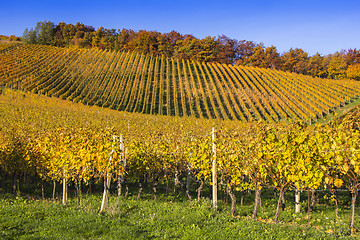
(107, 181)
(297, 201)
(122, 161)
(214, 174)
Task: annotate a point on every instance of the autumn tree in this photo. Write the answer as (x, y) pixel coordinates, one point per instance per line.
(337, 66)
(316, 66)
(352, 56)
(206, 50)
(244, 51)
(257, 59)
(227, 50)
(353, 72)
(185, 48)
(123, 38)
(272, 58)
(295, 60)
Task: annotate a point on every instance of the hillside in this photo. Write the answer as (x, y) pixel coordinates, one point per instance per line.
(156, 85)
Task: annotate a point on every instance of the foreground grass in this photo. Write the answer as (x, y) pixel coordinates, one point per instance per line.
(169, 217)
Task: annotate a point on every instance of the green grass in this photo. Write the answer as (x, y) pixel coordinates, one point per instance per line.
(339, 112)
(171, 217)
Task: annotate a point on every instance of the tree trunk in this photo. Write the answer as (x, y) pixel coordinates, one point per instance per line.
(155, 183)
(188, 183)
(281, 195)
(283, 201)
(313, 200)
(25, 179)
(42, 190)
(78, 192)
(140, 189)
(334, 193)
(243, 193)
(54, 189)
(226, 195)
(167, 187)
(297, 201)
(200, 188)
(105, 200)
(353, 202)
(309, 209)
(119, 183)
(176, 181)
(64, 199)
(35, 183)
(14, 183)
(233, 201)
(126, 189)
(257, 203)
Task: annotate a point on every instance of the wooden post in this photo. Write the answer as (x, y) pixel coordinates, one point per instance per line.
(214, 175)
(64, 199)
(120, 177)
(105, 200)
(297, 201)
(107, 181)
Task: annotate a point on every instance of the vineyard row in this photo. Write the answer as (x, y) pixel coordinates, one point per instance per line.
(156, 85)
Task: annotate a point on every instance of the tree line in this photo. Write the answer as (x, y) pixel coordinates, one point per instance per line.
(339, 65)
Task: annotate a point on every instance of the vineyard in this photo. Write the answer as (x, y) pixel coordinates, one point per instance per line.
(81, 117)
(59, 141)
(139, 83)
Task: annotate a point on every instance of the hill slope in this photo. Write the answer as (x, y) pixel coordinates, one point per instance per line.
(154, 85)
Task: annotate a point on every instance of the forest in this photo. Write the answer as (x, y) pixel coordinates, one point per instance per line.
(222, 49)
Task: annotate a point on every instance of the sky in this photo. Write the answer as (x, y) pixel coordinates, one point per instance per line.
(323, 26)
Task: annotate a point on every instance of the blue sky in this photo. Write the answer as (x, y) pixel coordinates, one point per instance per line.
(313, 25)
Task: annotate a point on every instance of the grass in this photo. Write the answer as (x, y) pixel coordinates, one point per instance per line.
(171, 217)
(339, 111)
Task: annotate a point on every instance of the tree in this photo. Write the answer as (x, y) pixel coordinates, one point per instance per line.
(272, 58)
(337, 66)
(45, 32)
(316, 66)
(227, 50)
(185, 49)
(353, 72)
(206, 50)
(29, 36)
(257, 59)
(123, 38)
(352, 56)
(295, 60)
(244, 51)
(96, 40)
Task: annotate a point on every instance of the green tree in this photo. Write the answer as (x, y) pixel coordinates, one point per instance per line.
(45, 32)
(29, 36)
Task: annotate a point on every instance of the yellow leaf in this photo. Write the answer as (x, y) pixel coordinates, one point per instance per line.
(328, 180)
(357, 170)
(329, 231)
(338, 182)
